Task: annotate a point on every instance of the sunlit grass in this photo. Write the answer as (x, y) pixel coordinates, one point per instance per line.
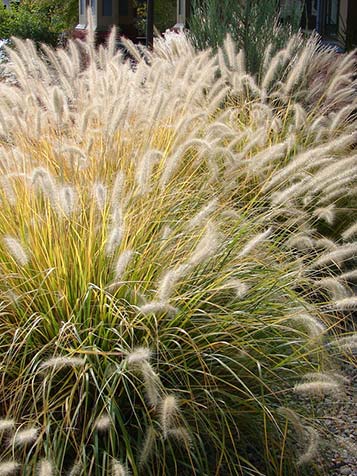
(161, 293)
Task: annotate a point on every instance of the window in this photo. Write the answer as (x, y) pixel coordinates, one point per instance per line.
(107, 8)
(331, 17)
(81, 7)
(310, 16)
(92, 4)
(123, 8)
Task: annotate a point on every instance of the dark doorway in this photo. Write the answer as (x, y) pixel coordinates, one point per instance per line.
(351, 27)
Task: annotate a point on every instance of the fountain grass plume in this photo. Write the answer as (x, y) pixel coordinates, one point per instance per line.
(25, 437)
(317, 388)
(16, 250)
(307, 436)
(119, 469)
(169, 410)
(8, 468)
(150, 262)
(170, 280)
(338, 256)
(312, 324)
(336, 289)
(348, 276)
(45, 468)
(254, 242)
(345, 304)
(152, 384)
(103, 423)
(346, 343)
(6, 425)
(55, 363)
(312, 447)
(350, 232)
(122, 263)
(157, 307)
(138, 356)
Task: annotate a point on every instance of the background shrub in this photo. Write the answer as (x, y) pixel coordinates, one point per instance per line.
(253, 25)
(41, 21)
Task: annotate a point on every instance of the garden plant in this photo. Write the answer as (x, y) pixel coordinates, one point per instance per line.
(177, 245)
(41, 20)
(254, 25)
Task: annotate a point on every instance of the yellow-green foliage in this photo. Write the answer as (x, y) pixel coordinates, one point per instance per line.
(161, 237)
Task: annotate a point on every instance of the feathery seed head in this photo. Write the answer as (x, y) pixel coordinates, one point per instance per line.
(317, 388)
(297, 71)
(55, 363)
(8, 468)
(238, 286)
(202, 215)
(346, 304)
(59, 101)
(67, 197)
(326, 213)
(349, 276)
(43, 180)
(181, 435)
(350, 232)
(8, 190)
(313, 325)
(117, 190)
(12, 297)
(254, 242)
(103, 423)
(206, 247)
(169, 409)
(337, 290)
(75, 469)
(139, 355)
(157, 307)
(6, 425)
(300, 116)
(100, 196)
(148, 446)
(326, 244)
(292, 417)
(152, 383)
(119, 469)
(312, 447)
(333, 377)
(169, 280)
(337, 256)
(45, 468)
(25, 437)
(114, 240)
(122, 263)
(16, 250)
(74, 151)
(166, 232)
(347, 343)
(144, 170)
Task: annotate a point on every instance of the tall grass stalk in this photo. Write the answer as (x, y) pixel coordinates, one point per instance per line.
(152, 267)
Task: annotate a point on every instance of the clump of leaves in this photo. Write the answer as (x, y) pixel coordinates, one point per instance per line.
(253, 25)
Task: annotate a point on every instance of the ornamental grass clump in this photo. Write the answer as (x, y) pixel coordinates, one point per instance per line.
(156, 309)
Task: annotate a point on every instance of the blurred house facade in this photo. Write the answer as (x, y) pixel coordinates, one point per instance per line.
(106, 13)
(335, 20)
